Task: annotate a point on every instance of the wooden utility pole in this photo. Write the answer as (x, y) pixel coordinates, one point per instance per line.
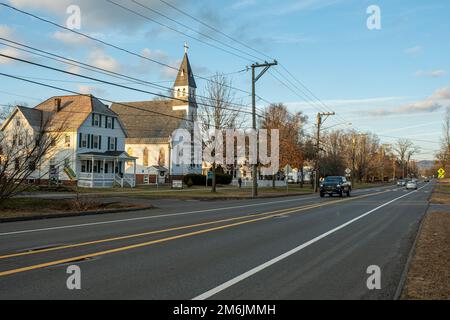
(255, 78)
(353, 159)
(320, 121)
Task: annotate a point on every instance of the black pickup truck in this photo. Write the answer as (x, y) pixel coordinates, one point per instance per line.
(335, 185)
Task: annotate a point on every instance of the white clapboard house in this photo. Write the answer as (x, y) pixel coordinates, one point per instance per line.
(91, 150)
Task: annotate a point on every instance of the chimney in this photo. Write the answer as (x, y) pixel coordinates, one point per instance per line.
(57, 104)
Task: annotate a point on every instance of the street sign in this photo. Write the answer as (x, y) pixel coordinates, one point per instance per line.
(348, 171)
(441, 173)
(177, 184)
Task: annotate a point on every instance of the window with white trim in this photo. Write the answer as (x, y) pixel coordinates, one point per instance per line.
(95, 142)
(96, 120)
(84, 140)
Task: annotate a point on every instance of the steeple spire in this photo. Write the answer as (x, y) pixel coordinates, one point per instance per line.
(185, 77)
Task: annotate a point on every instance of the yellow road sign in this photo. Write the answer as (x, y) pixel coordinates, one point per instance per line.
(441, 173)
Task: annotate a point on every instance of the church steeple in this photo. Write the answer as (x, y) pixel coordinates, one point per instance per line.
(185, 77)
(184, 87)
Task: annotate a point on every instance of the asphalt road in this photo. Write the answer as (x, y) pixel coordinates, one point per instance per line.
(285, 248)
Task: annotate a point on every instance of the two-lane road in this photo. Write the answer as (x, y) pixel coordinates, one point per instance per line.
(284, 248)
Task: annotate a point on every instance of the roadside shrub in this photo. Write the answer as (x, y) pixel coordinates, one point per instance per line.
(200, 180)
(223, 178)
(196, 179)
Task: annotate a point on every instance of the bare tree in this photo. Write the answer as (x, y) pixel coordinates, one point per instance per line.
(23, 150)
(220, 110)
(291, 132)
(443, 156)
(405, 149)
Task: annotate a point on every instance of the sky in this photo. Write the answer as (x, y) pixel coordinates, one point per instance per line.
(393, 81)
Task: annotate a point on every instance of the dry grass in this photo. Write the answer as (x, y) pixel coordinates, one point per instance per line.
(429, 273)
(27, 207)
(441, 193)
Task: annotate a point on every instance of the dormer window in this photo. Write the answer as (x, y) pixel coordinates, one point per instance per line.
(109, 123)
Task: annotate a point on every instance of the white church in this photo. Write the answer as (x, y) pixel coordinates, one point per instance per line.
(150, 124)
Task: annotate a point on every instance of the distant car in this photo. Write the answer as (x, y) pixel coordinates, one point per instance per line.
(402, 182)
(426, 179)
(335, 185)
(411, 185)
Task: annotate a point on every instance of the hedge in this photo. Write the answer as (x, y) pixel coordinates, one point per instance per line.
(200, 180)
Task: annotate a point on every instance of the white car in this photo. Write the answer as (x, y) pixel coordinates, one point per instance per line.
(411, 185)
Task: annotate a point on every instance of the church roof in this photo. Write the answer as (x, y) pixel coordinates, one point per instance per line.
(149, 121)
(185, 75)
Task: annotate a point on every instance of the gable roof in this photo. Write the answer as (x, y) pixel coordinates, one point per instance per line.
(33, 117)
(185, 75)
(149, 121)
(75, 109)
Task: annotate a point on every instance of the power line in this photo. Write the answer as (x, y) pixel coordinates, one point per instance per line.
(115, 84)
(215, 29)
(92, 68)
(176, 30)
(189, 28)
(108, 44)
(87, 95)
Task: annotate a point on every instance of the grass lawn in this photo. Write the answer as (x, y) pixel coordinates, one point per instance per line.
(429, 272)
(441, 193)
(26, 207)
(202, 192)
(223, 192)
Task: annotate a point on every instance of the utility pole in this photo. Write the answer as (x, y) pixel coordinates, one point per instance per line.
(320, 121)
(353, 159)
(266, 65)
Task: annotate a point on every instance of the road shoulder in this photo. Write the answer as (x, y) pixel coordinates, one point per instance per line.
(428, 276)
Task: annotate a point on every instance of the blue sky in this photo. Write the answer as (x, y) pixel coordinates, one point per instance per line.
(393, 82)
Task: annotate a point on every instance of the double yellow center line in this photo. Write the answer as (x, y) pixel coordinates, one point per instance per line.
(251, 218)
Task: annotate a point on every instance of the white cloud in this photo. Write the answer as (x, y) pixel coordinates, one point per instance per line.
(6, 32)
(414, 50)
(298, 6)
(334, 103)
(95, 14)
(100, 59)
(9, 52)
(91, 90)
(431, 74)
(69, 38)
(9, 33)
(242, 4)
(437, 101)
(443, 93)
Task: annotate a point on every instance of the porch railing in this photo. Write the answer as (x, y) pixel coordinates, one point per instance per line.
(127, 180)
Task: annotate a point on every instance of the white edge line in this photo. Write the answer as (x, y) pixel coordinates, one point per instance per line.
(152, 217)
(267, 264)
(157, 216)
